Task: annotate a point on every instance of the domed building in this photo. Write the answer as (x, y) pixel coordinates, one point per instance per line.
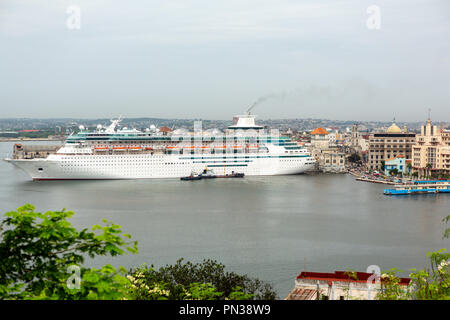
(393, 129)
(319, 138)
(391, 143)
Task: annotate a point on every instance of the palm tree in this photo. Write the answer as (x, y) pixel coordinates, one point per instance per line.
(428, 166)
(409, 166)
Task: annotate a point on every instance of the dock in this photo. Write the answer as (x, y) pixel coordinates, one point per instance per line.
(375, 181)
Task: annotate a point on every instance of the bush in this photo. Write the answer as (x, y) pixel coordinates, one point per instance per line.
(178, 278)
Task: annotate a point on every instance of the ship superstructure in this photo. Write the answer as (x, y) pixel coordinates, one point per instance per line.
(111, 153)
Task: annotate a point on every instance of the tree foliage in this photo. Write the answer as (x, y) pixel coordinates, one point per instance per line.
(37, 248)
(180, 276)
(354, 158)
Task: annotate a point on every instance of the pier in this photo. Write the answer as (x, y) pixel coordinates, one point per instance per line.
(366, 179)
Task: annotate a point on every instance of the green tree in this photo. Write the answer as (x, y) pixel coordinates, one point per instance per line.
(36, 250)
(409, 166)
(428, 169)
(354, 158)
(393, 172)
(178, 279)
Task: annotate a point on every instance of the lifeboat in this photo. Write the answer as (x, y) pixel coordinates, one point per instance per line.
(148, 148)
(171, 147)
(220, 147)
(100, 148)
(256, 146)
(119, 148)
(236, 147)
(188, 147)
(135, 148)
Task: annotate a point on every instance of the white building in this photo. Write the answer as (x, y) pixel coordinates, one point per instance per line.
(339, 285)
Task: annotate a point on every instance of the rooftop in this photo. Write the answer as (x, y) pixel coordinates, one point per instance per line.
(342, 276)
(319, 131)
(165, 129)
(396, 157)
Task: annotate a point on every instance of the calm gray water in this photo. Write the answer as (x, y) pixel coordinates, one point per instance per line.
(267, 227)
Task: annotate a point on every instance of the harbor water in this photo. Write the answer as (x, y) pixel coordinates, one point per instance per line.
(270, 227)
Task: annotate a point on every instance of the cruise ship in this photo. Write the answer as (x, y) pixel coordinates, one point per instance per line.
(113, 153)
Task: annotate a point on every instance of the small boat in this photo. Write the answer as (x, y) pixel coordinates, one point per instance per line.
(193, 176)
(208, 174)
(232, 175)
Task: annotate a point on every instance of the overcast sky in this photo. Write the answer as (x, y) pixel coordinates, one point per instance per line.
(212, 59)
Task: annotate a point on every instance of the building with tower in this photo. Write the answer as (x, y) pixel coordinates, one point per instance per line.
(431, 152)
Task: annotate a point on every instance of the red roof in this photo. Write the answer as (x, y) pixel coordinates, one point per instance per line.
(393, 158)
(319, 131)
(165, 129)
(342, 276)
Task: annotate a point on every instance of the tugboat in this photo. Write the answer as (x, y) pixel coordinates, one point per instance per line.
(193, 176)
(208, 174)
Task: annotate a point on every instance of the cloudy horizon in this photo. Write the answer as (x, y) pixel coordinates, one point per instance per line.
(212, 60)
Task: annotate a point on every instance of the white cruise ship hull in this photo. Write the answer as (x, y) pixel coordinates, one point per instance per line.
(146, 166)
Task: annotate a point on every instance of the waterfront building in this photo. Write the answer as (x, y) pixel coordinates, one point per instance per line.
(398, 163)
(431, 152)
(330, 160)
(340, 285)
(319, 138)
(388, 144)
(326, 151)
